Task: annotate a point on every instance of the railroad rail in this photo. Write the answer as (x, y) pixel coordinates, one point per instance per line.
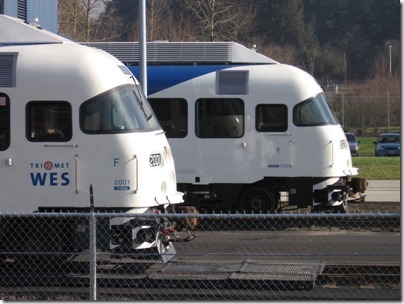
(119, 280)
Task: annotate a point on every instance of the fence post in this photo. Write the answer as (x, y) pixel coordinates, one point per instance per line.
(93, 249)
(388, 110)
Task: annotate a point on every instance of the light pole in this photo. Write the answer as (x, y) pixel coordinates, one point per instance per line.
(390, 46)
(142, 46)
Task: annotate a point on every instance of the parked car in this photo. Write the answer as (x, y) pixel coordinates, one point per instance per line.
(388, 144)
(353, 143)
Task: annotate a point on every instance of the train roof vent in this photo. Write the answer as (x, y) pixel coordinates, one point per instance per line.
(7, 70)
(189, 52)
(232, 82)
(183, 52)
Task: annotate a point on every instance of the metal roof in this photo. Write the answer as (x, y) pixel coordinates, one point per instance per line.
(183, 52)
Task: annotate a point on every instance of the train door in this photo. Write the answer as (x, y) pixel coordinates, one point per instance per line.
(271, 124)
(4, 122)
(52, 163)
(219, 128)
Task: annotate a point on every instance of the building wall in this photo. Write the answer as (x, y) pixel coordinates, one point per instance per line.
(45, 10)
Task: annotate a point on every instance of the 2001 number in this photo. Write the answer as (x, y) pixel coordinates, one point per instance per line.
(121, 182)
(155, 160)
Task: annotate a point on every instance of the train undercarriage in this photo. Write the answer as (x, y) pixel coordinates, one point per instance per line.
(50, 236)
(265, 195)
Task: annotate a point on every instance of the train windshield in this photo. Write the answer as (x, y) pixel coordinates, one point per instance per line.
(314, 112)
(121, 110)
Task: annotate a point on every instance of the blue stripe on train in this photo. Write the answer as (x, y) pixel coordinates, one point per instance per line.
(164, 76)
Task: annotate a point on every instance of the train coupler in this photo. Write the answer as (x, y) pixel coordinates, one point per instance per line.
(172, 235)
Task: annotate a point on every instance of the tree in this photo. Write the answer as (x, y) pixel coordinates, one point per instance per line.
(220, 19)
(77, 18)
(70, 15)
(357, 28)
(280, 21)
(89, 6)
(312, 34)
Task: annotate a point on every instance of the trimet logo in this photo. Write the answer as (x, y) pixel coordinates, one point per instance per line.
(49, 174)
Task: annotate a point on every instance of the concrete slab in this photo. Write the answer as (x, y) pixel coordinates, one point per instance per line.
(383, 191)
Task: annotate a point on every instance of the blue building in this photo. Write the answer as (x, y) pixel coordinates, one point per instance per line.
(45, 10)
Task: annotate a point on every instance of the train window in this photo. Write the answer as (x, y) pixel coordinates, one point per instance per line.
(271, 118)
(49, 121)
(314, 112)
(4, 122)
(219, 118)
(119, 110)
(172, 114)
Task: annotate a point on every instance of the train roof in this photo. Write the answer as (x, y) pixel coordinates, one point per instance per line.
(162, 52)
(14, 31)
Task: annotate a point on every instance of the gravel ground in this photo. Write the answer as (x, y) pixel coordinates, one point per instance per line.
(375, 207)
(364, 207)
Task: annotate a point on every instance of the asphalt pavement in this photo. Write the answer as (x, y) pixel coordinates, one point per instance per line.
(383, 191)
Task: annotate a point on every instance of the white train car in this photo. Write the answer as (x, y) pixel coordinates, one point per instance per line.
(72, 117)
(245, 128)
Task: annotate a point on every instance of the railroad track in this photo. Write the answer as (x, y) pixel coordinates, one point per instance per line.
(360, 275)
(73, 283)
(129, 273)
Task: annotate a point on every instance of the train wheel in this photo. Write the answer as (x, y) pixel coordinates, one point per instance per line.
(257, 199)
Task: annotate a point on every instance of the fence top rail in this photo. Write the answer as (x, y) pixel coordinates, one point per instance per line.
(204, 215)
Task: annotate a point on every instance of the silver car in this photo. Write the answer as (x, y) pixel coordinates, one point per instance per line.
(353, 143)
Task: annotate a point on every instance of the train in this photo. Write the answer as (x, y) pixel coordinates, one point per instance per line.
(77, 134)
(245, 129)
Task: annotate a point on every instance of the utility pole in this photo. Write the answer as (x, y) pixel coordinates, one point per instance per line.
(390, 46)
(142, 46)
(345, 68)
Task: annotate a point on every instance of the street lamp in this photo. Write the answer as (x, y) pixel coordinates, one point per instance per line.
(390, 46)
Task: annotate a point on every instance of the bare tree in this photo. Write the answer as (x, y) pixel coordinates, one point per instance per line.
(76, 17)
(220, 19)
(91, 8)
(70, 18)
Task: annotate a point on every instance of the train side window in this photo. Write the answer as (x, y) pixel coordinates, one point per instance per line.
(4, 122)
(271, 118)
(49, 121)
(172, 114)
(219, 118)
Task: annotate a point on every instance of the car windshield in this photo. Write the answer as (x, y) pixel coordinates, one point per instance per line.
(314, 112)
(120, 110)
(350, 137)
(389, 139)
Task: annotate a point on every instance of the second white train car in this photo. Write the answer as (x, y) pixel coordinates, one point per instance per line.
(245, 128)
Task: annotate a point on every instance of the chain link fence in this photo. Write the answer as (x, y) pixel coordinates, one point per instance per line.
(294, 256)
(364, 112)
